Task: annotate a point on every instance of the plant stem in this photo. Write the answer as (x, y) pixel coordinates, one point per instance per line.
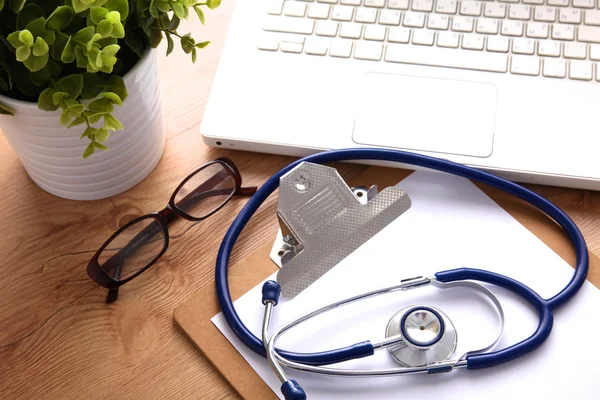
(87, 121)
(174, 33)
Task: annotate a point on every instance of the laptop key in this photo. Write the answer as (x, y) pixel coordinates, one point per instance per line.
(316, 46)
(340, 48)
(288, 25)
(524, 65)
(368, 51)
(268, 42)
(274, 7)
(439, 57)
(291, 47)
(555, 68)
(581, 70)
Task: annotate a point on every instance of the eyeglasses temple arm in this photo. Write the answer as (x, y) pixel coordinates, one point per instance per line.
(246, 191)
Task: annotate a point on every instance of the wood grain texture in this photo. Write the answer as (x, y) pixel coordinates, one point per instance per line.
(58, 339)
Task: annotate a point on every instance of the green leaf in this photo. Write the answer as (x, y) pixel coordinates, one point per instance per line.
(26, 38)
(68, 103)
(110, 122)
(90, 43)
(153, 11)
(84, 35)
(40, 47)
(103, 134)
(174, 24)
(45, 101)
(16, 5)
(21, 76)
(113, 97)
(163, 5)
(43, 76)
(35, 63)
(202, 45)
(60, 18)
(93, 56)
(3, 86)
(187, 43)
(1, 8)
(170, 43)
(133, 40)
(108, 64)
(82, 5)
(164, 21)
(90, 132)
(58, 48)
(107, 42)
(54, 68)
(98, 14)
(93, 118)
(66, 117)
(101, 105)
(4, 110)
(58, 97)
(92, 85)
(155, 37)
(38, 28)
(178, 10)
(77, 109)
(118, 31)
(100, 146)
(89, 150)
(72, 84)
(105, 28)
(200, 14)
(23, 53)
(14, 40)
(212, 4)
(116, 85)
(122, 6)
(113, 16)
(29, 13)
(82, 60)
(68, 54)
(194, 55)
(77, 121)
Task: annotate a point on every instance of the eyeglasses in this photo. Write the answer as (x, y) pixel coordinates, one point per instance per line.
(138, 245)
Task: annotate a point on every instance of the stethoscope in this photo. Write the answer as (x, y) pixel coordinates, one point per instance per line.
(421, 338)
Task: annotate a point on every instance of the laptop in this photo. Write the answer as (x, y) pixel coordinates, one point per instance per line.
(511, 87)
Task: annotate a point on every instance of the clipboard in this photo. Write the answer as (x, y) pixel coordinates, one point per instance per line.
(193, 316)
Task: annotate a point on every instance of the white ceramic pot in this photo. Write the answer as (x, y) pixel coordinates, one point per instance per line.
(52, 154)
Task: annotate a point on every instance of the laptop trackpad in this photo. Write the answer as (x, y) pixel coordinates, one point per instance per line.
(426, 114)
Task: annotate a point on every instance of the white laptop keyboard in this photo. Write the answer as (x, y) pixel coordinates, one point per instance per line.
(549, 38)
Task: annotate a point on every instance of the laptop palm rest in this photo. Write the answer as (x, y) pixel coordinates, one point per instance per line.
(426, 114)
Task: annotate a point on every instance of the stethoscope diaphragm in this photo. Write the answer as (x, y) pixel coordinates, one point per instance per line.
(428, 336)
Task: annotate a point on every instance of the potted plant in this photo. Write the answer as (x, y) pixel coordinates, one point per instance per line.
(72, 72)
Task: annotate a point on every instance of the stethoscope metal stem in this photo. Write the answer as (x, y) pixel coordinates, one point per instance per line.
(281, 375)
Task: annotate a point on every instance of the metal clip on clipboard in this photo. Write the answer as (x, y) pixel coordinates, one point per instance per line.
(322, 221)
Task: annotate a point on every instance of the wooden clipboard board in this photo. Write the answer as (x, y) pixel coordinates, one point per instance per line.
(194, 315)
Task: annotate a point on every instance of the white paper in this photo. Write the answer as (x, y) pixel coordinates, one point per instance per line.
(451, 224)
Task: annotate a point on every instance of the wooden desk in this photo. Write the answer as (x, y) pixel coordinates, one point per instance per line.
(58, 339)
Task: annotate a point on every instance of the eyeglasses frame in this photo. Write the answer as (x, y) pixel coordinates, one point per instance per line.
(170, 213)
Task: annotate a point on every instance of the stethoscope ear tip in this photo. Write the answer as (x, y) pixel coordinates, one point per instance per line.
(270, 292)
(291, 390)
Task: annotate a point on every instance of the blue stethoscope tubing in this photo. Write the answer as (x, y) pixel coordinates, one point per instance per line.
(544, 307)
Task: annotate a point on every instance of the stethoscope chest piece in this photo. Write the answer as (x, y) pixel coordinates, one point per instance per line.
(428, 336)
